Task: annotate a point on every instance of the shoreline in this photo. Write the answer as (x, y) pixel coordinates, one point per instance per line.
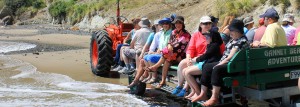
(69, 54)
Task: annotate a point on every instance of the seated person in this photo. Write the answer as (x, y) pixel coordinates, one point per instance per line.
(274, 35)
(212, 54)
(175, 49)
(213, 73)
(161, 40)
(136, 46)
(150, 45)
(249, 24)
(289, 30)
(119, 64)
(196, 48)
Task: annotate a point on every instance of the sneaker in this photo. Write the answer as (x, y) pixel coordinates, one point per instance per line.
(117, 68)
(122, 70)
(132, 69)
(176, 90)
(128, 71)
(181, 93)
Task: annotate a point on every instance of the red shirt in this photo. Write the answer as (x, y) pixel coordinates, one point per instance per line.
(197, 45)
(259, 33)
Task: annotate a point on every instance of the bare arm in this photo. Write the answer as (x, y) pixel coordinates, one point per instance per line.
(127, 37)
(132, 43)
(145, 48)
(231, 54)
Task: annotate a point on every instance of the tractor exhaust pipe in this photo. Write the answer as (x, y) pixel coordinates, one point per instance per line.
(118, 12)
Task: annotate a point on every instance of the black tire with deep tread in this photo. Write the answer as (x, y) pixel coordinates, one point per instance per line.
(105, 58)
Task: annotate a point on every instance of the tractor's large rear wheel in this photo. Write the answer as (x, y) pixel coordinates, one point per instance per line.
(101, 53)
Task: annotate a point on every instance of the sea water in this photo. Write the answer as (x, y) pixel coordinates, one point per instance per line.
(22, 85)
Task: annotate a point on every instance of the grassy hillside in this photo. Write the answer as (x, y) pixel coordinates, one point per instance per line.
(224, 8)
(77, 9)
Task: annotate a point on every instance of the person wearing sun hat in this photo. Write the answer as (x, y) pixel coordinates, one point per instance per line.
(288, 29)
(133, 51)
(249, 24)
(175, 49)
(162, 41)
(274, 35)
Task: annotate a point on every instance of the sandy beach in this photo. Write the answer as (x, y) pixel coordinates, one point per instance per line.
(72, 61)
(66, 53)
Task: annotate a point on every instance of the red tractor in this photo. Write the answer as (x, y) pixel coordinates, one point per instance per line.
(104, 43)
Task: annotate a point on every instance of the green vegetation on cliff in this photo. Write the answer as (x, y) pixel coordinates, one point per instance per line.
(224, 8)
(20, 6)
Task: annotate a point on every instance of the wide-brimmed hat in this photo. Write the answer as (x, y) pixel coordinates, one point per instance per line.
(288, 18)
(145, 22)
(178, 18)
(237, 25)
(205, 19)
(165, 20)
(270, 13)
(248, 20)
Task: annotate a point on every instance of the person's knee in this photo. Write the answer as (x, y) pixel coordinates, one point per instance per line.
(184, 71)
(183, 62)
(217, 68)
(119, 46)
(142, 61)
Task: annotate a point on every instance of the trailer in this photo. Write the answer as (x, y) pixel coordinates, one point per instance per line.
(264, 74)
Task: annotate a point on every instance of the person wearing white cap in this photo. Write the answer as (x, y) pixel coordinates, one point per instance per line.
(196, 48)
(288, 29)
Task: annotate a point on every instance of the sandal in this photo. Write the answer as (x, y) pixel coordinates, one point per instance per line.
(147, 69)
(132, 84)
(142, 78)
(152, 80)
(145, 80)
(160, 85)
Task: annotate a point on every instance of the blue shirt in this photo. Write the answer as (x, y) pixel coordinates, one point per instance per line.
(150, 39)
(245, 30)
(132, 33)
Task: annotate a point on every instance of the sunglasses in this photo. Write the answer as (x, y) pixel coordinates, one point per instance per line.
(207, 23)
